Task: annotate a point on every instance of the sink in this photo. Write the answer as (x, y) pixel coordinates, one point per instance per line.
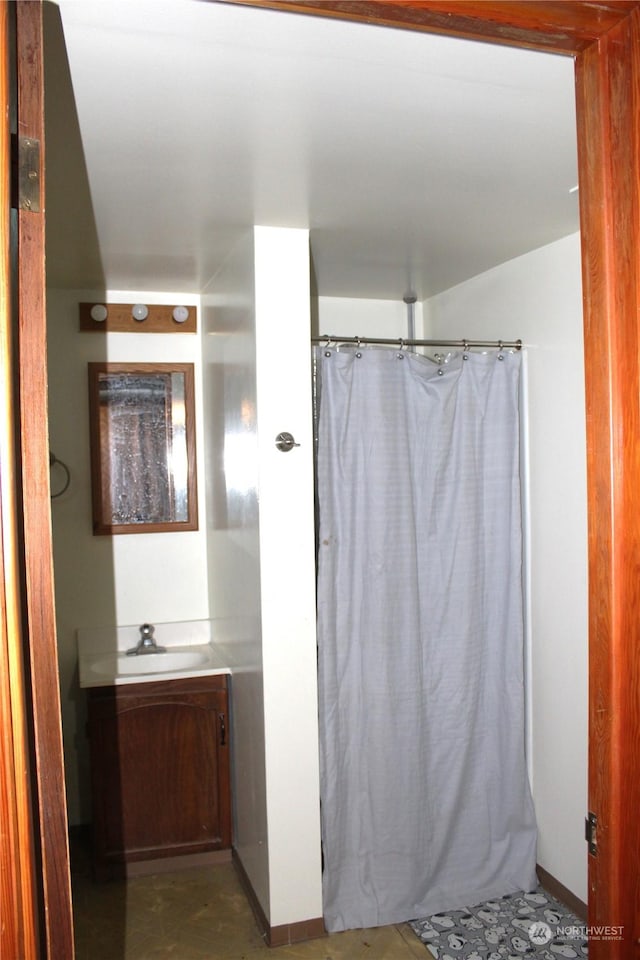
(190, 651)
(173, 661)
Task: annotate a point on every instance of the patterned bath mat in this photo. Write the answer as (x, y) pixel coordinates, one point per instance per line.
(532, 925)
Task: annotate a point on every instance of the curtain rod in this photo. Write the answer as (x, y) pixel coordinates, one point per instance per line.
(402, 342)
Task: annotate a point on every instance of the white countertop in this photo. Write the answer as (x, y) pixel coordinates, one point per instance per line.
(189, 652)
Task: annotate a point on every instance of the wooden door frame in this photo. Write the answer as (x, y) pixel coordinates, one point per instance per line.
(38, 601)
(36, 889)
(18, 930)
(604, 39)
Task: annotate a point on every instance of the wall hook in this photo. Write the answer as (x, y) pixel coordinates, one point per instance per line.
(53, 461)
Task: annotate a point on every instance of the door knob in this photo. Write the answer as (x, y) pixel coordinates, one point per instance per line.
(285, 442)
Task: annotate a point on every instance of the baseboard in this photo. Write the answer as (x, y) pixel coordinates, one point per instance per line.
(561, 893)
(125, 869)
(247, 886)
(80, 839)
(289, 933)
(306, 929)
(141, 868)
(286, 933)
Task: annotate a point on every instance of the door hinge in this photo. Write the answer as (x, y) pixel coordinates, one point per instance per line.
(590, 833)
(26, 174)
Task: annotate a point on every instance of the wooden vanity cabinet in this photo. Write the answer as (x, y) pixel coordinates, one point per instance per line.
(160, 772)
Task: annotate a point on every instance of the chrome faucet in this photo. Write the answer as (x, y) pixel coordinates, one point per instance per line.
(146, 643)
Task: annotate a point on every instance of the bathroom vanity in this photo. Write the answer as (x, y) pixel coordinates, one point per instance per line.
(159, 769)
(158, 727)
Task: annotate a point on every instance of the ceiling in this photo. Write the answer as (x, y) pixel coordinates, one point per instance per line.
(416, 161)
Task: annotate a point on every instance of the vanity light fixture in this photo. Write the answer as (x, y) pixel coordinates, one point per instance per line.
(180, 314)
(138, 317)
(99, 312)
(140, 312)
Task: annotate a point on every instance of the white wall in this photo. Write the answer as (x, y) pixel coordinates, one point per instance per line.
(216, 570)
(537, 298)
(233, 546)
(366, 318)
(287, 558)
(262, 559)
(102, 580)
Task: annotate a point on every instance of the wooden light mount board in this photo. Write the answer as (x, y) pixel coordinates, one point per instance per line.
(120, 319)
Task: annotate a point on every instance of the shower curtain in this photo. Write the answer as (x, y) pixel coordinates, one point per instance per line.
(425, 797)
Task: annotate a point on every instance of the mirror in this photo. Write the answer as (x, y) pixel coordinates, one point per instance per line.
(143, 465)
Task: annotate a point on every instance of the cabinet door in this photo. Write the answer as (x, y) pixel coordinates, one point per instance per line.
(160, 770)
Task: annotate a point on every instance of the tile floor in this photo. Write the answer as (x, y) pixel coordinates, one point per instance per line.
(202, 914)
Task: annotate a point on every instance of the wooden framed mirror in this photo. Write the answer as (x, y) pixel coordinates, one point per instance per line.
(143, 461)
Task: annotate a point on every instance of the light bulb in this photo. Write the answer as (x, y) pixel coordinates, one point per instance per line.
(140, 312)
(180, 314)
(99, 312)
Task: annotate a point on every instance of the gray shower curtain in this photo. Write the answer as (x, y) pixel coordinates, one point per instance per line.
(425, 797)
